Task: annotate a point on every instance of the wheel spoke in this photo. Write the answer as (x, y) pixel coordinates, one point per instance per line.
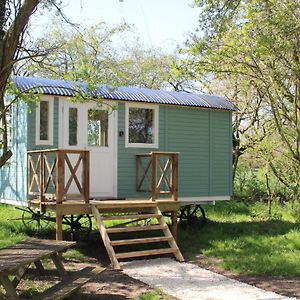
(195, 210)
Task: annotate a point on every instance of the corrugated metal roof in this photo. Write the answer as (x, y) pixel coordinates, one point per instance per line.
(69, 88)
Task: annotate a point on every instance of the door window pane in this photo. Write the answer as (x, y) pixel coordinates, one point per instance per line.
(73, 117)
(44, 120)
(141, 125)
(97, 127)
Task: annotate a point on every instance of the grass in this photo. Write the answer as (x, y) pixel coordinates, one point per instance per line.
(238, 236)
(242, 238)
(154, 295)
(11, 227)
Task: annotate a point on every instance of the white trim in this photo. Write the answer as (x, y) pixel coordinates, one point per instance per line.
(13, 202)
(202, 200)
(60, 123)
(50, 101)
(115, 159)
(80, 126)
(156, 131)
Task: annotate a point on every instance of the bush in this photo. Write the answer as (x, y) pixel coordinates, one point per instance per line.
(251, 184)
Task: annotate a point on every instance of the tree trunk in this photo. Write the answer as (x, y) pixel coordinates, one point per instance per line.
(9, 42)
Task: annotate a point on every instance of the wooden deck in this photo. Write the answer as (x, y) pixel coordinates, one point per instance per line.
(53, 177)
(76, 207)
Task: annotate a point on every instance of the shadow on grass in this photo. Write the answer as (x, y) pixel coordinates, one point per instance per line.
(256, 247)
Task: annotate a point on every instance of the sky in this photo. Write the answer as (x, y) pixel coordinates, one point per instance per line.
(159, 23)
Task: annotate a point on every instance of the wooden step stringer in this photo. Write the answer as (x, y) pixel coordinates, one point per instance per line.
(109, 244)
(168, 233)
(105, 238)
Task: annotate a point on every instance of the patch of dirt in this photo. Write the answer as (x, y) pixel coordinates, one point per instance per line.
(286, 286)
(115, 285)
(111, 285)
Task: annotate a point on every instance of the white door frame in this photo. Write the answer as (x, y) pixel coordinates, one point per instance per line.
(63, 122)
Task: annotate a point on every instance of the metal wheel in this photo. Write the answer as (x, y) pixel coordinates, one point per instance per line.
(192, 216)
(79, 225)
(34, 220)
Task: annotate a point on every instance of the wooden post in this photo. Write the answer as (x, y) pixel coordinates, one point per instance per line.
(174, 224)
(175, 176)
(137, 177)
(59, 219)
(60, 186)
(86, 176)
(154, 176)
(29, 157)
(42, 176)
(60, 176)
(42, 181)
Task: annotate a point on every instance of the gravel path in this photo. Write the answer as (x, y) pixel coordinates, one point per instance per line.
(188, 281)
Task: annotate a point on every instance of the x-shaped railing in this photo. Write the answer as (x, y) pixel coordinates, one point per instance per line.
(52, 172)
(157, 172)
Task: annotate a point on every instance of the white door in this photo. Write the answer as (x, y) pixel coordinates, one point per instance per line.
(87, 126)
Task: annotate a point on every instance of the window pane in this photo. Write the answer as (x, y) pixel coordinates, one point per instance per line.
(73, 126)
(141, 128)
(44, 120)
(97, 127)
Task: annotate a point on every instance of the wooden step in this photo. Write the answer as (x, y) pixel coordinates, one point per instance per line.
(130, 217)
(65, 288)
(135, 228)
(145, 253)
(141, 241)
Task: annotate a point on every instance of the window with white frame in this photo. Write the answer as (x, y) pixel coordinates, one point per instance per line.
(141, 126)
(44, 122)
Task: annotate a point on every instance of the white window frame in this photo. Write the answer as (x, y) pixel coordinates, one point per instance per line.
(156, 118)
(38, 141)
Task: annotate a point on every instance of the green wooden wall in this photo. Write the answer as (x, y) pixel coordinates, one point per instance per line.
(202, 136)
(204, 139)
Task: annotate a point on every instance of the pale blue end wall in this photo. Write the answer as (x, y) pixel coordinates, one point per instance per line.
(13, 176)
(203, 138)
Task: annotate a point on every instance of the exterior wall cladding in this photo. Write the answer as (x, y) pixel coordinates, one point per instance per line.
(203, 137)
(13, 176)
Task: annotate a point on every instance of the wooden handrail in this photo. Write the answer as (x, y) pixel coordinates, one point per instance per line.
(163, 173)
(47, 168)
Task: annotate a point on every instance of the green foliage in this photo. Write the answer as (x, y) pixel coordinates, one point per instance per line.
(101, 54)
(251, 184)
(242, 238)
(154, 295)
(254, 44)
(295, 210)
(11, 226)
(239, 236)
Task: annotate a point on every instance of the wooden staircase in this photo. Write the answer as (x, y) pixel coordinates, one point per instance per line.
(149, 220)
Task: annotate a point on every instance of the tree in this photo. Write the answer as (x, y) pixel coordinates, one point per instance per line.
(103, 54)
(14, 17)
(250, 122)
(14, 23)
(259, 42)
